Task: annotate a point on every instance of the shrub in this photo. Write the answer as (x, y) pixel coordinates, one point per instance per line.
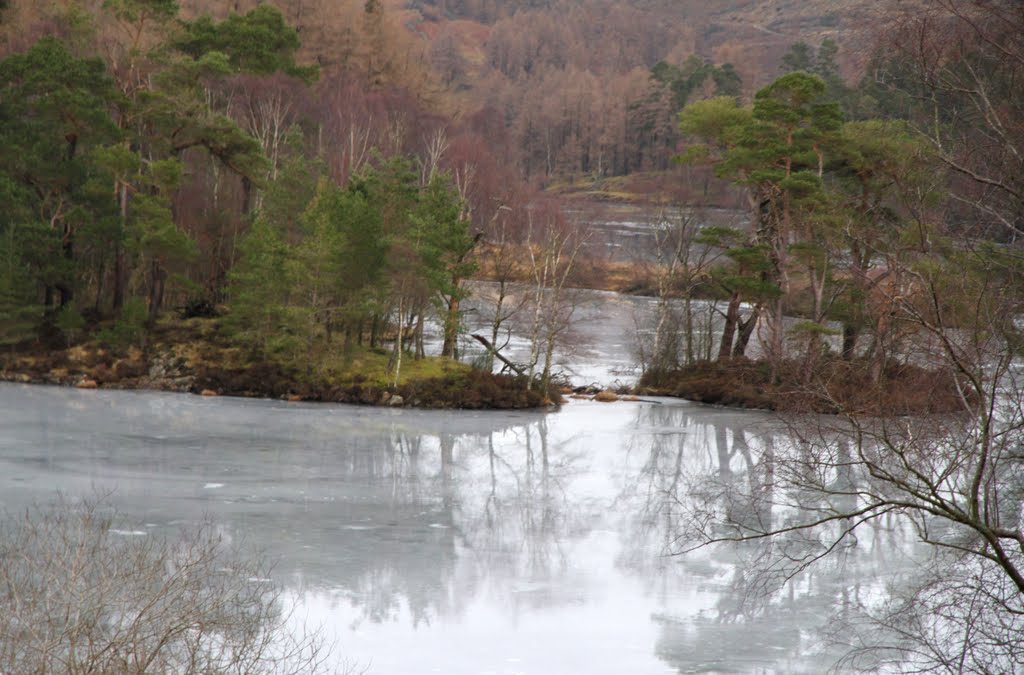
(200, 308)
(79, 595)
(129, 327)
(70, 322)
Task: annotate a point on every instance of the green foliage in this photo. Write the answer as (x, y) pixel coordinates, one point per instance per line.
(683, 81)
(288, 195)
(799, 57)
(721, 120)
(70, 322)
(20, 310)
(129, 328)
(812, 328)
(53, 106)
(259, 289)
(443, 238)
(777, 142)
(257, 42)
(778, 148)
(824, 63)
(356, 251)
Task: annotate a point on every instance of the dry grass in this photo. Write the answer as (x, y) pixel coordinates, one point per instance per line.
(836, 386)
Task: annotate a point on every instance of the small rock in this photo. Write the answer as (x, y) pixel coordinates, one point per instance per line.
(86, 383)
(606, 396)
(396, 401)
(294, 397)
(207, 392)
(385, 397)
(180, 383)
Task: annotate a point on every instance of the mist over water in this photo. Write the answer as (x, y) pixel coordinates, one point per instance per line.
(460, 542)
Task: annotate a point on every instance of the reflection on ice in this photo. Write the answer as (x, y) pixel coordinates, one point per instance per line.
(462, 542)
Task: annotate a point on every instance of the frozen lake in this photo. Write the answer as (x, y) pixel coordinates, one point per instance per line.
(458, 542)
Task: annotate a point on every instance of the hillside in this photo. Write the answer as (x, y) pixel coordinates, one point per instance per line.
(571, 79)
(554, 88)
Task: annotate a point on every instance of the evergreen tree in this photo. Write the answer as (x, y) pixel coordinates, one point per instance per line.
(54, 107)
(778, 151)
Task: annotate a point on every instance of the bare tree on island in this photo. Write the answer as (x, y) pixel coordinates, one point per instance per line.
(553, 245)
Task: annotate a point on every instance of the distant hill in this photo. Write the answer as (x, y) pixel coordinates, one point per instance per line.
(554, 88)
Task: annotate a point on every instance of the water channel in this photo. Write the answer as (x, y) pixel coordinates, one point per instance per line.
(458, 542)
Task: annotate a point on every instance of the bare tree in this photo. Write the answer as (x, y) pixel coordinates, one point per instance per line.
(960, 63)
(501, 302)
(682, 330)
(955, 480)
(552, 247)
(81, 592)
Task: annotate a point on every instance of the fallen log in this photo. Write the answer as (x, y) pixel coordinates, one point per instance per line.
(491, 348)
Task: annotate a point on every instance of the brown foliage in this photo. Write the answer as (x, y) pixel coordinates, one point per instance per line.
(260, 379)
(838, 387)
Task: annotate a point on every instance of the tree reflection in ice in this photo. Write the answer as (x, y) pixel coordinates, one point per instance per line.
(460, 539)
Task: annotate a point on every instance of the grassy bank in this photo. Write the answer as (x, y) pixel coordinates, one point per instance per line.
(195, 356)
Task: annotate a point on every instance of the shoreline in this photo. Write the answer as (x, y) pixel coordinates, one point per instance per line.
(185, 359)
(403, 396)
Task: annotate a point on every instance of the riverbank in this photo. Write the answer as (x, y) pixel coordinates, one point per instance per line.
(835, 386)
(193, 356)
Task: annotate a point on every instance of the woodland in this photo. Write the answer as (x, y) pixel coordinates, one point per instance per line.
(281, 200)
(321, 182)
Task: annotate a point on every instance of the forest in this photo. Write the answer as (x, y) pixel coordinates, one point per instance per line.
(326, 184)
(331, 194)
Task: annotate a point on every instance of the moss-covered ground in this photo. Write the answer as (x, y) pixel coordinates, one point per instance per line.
(195, 355)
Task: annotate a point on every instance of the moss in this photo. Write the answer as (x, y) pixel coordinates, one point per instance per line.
(474, 389)
(196, 351)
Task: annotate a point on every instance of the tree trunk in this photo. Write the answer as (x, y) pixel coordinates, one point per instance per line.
(746, 329)
(156, 291)
(775, 349)
(120, 274)
(732, 317)
(493, 351)
(496, 325)
(421, 352)
(100, 279)
(67, 294)
(398, 341)
(451, 329)
(850, 335)
(688, 323)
